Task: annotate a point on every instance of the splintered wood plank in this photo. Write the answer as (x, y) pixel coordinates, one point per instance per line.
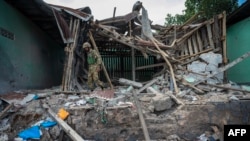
(199, 41)
(224, 30)
(190, 49)
(183, 50)
(216, 32)
(196, 50)
(68, 130)
(186, 50)
(204, 37)
(103, 66)
(210, 36)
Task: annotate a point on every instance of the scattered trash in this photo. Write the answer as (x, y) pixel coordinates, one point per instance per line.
(27, 99)
(4, 137)
(47, 124)
(4, 124)
(81, 102)
(31, 133)
(245, 87)
(63, 114)
(202, 137)
(233, 98)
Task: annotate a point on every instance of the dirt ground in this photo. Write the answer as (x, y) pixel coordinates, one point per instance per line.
(94, 119)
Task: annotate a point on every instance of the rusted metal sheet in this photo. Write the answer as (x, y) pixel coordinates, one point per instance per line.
(77, 13)
(63, 27)
(12, 97)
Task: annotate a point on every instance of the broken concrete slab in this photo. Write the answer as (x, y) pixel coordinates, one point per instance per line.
(130, 82)
(161, 102)
(197, 66)
(212, 58)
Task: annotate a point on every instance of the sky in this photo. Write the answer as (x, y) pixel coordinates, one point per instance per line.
(102, 9)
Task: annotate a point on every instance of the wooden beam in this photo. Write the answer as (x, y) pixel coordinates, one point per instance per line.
(103, 66)
(184, 82)
(224, 36)
(169, 65)
(228, 88)
(129, 82)
(190, 48)
(147, 85)
(150, 66)
(67, 129)
(117, 37)
(184, 37)
(199, 41)
(194, 41)
(132, 54)
(6, 110)
(142, 121)
(162, 46)
(68, 74)
(190, 20)
(210, 36)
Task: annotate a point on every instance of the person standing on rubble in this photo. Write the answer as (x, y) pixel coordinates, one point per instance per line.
(94, 62)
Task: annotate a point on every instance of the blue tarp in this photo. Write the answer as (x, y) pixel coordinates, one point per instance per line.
(30, 133)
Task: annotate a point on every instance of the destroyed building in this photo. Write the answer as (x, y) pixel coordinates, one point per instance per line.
(169, 84)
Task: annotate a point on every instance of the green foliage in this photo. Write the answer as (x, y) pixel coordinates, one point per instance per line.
(174, 20)
(208, 9)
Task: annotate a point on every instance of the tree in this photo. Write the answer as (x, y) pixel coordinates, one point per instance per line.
(174, 20)
(208, 9)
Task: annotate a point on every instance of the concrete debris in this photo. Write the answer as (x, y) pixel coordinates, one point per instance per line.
(4, 125)
(233, 98)
(197, 66)
(129, 82)
(119, 114)
(199, 70)
(162, 102)
(4, 137)
(173, 138)
(185, 96)
(244, 87)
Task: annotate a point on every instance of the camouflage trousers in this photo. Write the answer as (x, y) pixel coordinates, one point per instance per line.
(93, 77)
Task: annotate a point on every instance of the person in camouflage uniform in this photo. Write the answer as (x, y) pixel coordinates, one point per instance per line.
(94, 62)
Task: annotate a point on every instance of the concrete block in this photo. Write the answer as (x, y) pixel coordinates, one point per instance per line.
(197, 66)
(162, 102)
(212, 58)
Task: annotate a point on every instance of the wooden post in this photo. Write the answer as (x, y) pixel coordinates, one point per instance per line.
(139, 110)
(132, 55)
(65, 69)
(114, 12)
(169, 65)
(150, 66)
(147, 85)
(69, 68)
(133, 63)
(6, 110)
(224, 41)
(210, 36)
(103, 66)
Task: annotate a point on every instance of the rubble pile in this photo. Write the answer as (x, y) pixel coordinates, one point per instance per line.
(188, 99)
(95, 117)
